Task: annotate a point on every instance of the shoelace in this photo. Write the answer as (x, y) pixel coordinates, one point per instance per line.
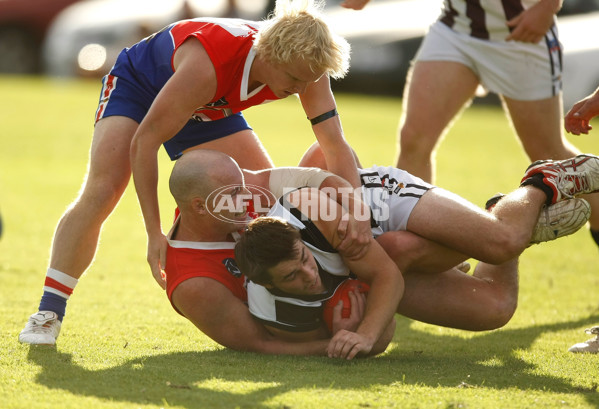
(41, 327)
(571, 182)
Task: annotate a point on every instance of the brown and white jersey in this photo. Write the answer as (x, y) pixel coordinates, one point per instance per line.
(483, 19)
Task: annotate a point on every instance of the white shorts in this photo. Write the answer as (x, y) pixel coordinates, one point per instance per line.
(391, 194)
(520, 71)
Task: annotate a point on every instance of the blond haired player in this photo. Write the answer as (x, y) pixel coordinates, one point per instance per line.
(184, 87)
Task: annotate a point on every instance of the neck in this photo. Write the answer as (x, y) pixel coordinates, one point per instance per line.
(254, 79)
(192, 229)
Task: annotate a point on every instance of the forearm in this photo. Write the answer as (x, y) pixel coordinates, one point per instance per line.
(386, 289)
(144, 168)
(280, 342)
(338, 154)
(318, 100)
(279, 347)
(253, 337)
(381, 306)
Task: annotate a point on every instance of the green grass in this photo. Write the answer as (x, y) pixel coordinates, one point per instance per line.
(122, 345)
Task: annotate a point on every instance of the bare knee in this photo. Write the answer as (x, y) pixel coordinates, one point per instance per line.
(497, 313)
(100, 196)
(404, 248)
(414, 142)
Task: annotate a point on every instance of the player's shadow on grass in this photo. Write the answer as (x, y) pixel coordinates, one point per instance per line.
(202, 379)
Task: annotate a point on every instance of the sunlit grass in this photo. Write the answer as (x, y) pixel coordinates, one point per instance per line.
(123, 346)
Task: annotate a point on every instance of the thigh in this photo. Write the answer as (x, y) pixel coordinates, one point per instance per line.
(314, 158)
(538, 125)
(436, 91)
(459, 300)
(196, 132)
(453, 221)
(109, 163)
(244, 147)
(440, 82)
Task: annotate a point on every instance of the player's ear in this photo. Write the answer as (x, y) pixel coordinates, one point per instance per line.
(198, 205)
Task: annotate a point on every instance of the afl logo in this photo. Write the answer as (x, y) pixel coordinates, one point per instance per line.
(230, 203)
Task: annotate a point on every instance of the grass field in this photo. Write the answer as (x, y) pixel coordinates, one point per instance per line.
(122, 345)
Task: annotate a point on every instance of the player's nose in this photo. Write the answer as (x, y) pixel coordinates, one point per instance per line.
(308, 274)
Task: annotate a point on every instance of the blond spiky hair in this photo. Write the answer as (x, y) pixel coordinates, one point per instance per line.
(297, 29)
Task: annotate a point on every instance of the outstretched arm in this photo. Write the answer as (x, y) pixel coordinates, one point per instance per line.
(215, 311)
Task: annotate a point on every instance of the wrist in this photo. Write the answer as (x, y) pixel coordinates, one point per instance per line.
(154, 232)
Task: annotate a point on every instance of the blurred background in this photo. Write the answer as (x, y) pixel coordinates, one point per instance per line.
(82, 38)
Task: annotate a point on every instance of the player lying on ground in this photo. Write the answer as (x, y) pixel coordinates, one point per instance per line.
(205, 286)
(294, 268)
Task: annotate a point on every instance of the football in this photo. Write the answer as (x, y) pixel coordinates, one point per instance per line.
(341, 294)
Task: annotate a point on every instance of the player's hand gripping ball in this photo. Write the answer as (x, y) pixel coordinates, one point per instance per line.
(341, 294)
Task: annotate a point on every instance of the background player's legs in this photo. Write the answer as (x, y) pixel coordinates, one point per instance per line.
(436, 91)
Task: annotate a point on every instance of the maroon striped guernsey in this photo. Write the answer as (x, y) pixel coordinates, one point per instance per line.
(484, 19)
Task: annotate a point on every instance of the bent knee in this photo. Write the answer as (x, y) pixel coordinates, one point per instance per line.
(496, 314)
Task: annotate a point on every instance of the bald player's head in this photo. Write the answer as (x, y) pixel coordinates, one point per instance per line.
(199, 172)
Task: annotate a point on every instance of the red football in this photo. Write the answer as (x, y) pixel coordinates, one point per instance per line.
(341, 293)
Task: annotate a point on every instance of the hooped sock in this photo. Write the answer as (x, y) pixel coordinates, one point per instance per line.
(58, 287)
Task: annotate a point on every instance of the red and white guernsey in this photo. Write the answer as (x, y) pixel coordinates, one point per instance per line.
(228, 43)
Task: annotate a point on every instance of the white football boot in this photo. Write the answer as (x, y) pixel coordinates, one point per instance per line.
(42, 328)
(565, 179)
(561, 219)
(590, 346)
